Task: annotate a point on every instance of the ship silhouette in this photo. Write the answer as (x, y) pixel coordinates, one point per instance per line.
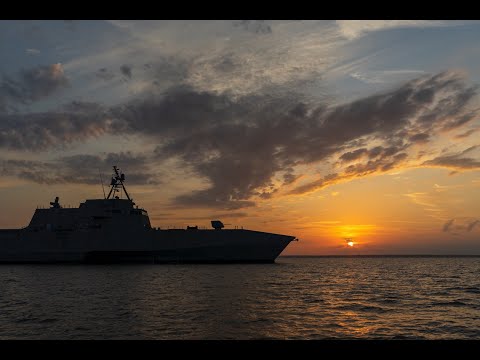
(116, 230)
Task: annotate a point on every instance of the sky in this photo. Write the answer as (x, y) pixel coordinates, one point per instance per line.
(363, 132)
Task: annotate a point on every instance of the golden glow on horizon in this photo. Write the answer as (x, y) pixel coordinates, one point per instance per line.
(350, 243)
(373, 213)
(352, 231)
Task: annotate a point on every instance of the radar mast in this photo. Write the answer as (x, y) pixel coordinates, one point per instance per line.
(117, 184)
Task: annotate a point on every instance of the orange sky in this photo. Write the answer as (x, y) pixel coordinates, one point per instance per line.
(401, 212)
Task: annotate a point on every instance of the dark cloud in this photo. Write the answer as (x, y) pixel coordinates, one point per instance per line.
(455, 161)
(378, 153)
(419, 138)
(389, 118)
(319, 184)
(382, 164)
(180, 111)
(31, 85)
(460, 225)
(126, 71)
(289, 177)
(136, 166)
(447, 225)
(452, 110)
(255, 26)
(241, 144)
(353, 155)
(78, 121)
(214, 135)
(82, 169)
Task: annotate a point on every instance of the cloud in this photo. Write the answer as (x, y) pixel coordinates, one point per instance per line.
(466, 133)
(352, 29)
(291, 56)
(289, 177)
(82, 169)
(87, 167)
(31, 85)
(168, 71)
(78, 121)
(384, 76)
(398, 118)
(32, 51)
(419, 138)
(353, 155)
(254, 26)
(126, 70)
(472, 225)
(455, 161)
(248, 147)
(318, 184)
(460, 225)
(447, 225)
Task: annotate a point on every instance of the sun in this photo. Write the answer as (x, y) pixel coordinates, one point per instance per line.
(349, 241)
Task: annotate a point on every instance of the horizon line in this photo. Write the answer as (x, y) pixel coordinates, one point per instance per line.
(385, 255)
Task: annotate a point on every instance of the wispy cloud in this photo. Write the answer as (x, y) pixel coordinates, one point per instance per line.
(385, 76)
(353, 29)
(466, 134)
(461, 225)
(221, 56)
(456, 161)
(32, 51)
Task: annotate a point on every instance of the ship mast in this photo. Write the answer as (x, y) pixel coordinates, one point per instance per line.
(116, 183)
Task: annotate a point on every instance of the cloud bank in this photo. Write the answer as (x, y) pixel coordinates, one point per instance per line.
(247, 147)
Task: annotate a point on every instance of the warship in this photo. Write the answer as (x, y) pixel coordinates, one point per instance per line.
(115, 230)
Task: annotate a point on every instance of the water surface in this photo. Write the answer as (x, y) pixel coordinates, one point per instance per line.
(296, 298)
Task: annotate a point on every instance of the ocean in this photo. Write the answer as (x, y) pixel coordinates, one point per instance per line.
(295, 298)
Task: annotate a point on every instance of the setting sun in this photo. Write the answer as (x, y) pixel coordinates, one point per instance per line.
(350, 243)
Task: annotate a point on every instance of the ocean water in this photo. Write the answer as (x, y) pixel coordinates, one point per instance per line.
(296, 298)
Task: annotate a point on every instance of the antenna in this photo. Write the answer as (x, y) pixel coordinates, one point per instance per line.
(101, 180)
(117, 181)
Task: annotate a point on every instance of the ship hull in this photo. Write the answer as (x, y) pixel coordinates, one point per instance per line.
(149, 246)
